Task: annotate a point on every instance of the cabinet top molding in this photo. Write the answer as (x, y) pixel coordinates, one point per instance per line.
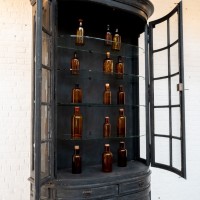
(142, 8)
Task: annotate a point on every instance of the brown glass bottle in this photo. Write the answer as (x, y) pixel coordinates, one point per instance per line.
(108, 64)
(108, 36)
(116, 44)
(76, 161)
(107, 94)
(119, 67)
(107, 159)
(121, 124)
(76, 94)
(76, 124)
(75, 64)
(80, 33)
(121, 95)
(107, 128)
(122, 155)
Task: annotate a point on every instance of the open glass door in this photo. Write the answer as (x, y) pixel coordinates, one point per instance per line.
(43, 123)
(167, 93)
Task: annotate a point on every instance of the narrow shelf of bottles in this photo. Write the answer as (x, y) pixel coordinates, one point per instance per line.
(128, 51)
(91, 137)
(98, 105)
(98, 75)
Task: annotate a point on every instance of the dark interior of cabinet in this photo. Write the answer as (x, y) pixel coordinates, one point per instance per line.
(95, 17)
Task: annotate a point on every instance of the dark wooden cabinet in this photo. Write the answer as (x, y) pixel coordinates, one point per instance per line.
(54, 32)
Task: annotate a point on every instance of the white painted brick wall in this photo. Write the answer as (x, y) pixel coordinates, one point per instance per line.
(15, 103)
(15, 100)
(166, 185)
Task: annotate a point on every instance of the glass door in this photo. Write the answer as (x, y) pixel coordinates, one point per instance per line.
(167, 93)
(43, 105)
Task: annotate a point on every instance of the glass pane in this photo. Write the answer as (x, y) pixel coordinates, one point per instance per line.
(160, 64)
(46, 15)
(142, 132)
(160, 40)
(45, 49)
(174, 59)
(175, 97)
(176, 125)
(161, 92)
(173, 28)
(162, 150)
(176, 154)
(44, 160)
(45, 85)
(161, 122)
(44, 122)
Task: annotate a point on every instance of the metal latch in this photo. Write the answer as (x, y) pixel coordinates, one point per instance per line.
(180, 87)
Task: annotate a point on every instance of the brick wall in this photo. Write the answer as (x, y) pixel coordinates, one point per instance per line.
(15, 100)
(15, 103)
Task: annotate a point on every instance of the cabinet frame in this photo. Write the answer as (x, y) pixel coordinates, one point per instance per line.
(36, 181)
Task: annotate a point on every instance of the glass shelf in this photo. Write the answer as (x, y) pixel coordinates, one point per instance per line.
(86, 138)
(91, 45)
(99, 75)
(98, 105)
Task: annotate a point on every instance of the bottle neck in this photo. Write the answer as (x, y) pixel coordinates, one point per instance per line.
(107, 148)
(121, 112)
(77, 110)
(107, 86)
(108, 55)
(122, 145)
(121, 89)
(107, 120)
(76, 150)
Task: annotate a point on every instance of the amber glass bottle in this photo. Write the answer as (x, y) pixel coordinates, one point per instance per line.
(76, 161)
(121, 124)
(107, 159)
(76, 124)
(76, 94)
(119, 67)
(116, 44)
(75, 64)
(107, 128)
(122, 155)
(121, 95)
(108, 36)
(108, 64)
(80, 33)
(107, 94)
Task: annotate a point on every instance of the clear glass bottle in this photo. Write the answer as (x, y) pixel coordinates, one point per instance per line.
(108, 36)
(121, 95)
(119, 67)
(122, 155)
(76, 94)
(107, 94)
(121, 124)
(107, 159)
(80, 33)
(76, 161)
(75, 64)
(108, 64)
(76, 124)
(116, 44)
(107, 128)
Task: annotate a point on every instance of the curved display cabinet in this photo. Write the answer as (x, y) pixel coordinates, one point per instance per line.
(57, 133)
